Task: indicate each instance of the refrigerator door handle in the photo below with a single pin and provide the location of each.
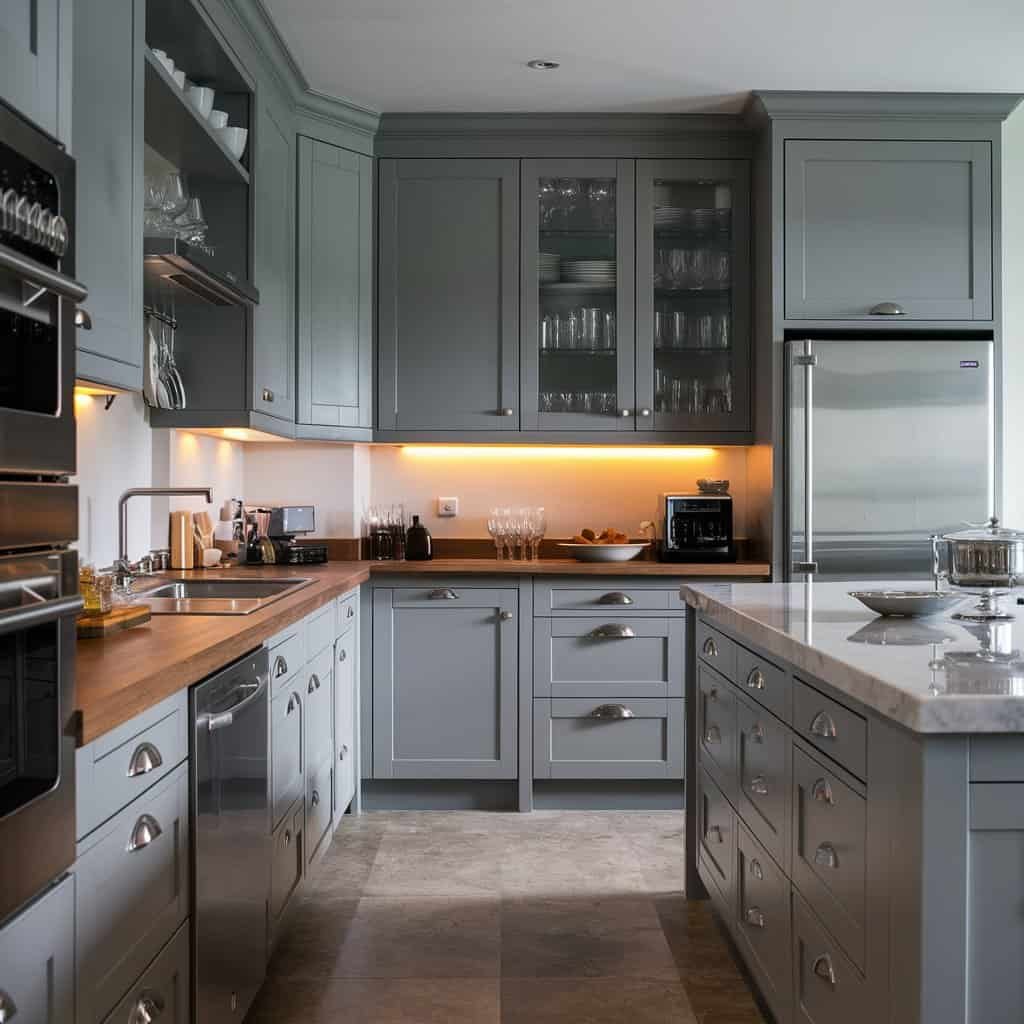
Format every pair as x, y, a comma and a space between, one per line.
808, 361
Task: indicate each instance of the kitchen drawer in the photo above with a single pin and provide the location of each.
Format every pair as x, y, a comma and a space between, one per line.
318, 710
829, 850
113, 770
318, 808
319, 630
132, 893
829, 989
287, 654
716, 649
716, 838
997, 758
286, 755
764, 682
346, 609
287, 861
832, 728
164, 987
716, 728
618, 657
37, 959
593, 739
764, 758
763, 926
602, 597
450, 593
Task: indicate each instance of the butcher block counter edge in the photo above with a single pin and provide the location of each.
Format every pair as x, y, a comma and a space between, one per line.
570, 567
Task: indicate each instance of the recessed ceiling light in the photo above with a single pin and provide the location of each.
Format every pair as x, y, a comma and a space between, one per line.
543, 65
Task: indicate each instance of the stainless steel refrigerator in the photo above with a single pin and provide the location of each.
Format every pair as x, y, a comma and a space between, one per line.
889, 441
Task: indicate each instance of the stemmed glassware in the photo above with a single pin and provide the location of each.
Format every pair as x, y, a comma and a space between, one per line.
517, 532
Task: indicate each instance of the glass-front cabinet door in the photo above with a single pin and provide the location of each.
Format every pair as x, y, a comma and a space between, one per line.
577, 295
693, 296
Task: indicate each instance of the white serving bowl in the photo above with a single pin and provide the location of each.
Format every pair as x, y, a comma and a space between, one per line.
201, 98
167, 62
234, 138
604, 552
218, 119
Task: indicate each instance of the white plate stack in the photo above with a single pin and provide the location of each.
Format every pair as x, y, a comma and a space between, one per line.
594, 272
549, 267
669, 218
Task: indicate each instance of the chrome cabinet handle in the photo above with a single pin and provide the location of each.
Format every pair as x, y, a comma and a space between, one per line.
616, 712
612, 631
644, 412
759, 785
823, 968
625, 413
315, 799
615, 597
825, 856
755, 917
443, 594
344, 751
888, 309
83, 321
506, 616
822, 792
756, 870
715, 832
713, 734
506, 412
287, 837
713, 693
314, 683
280, 666
756, 680
8, 1009
342, 654
710, 648
146, 829
757, 733
823, 726
147, 1008
268, 395
221, 721
145, 759
350, 612
293, 702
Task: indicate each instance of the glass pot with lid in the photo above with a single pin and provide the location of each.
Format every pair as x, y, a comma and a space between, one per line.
988, 559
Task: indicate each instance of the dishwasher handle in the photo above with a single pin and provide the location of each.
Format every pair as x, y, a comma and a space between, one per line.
250, 692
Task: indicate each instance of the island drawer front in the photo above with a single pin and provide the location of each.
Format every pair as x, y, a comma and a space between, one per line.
764, 760
286, 860
318, 709
603, 597
166, 981
318, 808
716, 728
832, 728
346, 610
716, 649
287, 654
132, 893
763, 919
572, 741
829, 851
113, 770
716, 836
319, 630
829, 988
764, 682
286, 753
997, 758
614, 657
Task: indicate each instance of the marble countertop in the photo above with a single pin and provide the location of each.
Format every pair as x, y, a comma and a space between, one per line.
932, 675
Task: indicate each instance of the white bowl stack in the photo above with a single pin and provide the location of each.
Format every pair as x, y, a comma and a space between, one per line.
549, 267
594, 272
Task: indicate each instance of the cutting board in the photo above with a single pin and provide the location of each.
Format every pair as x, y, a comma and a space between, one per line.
124, 616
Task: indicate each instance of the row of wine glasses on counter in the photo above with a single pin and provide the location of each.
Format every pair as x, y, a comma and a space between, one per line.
692, 269
694, 396
685, 329
588, 329
170, 212
517, 530
568, 204
598, 403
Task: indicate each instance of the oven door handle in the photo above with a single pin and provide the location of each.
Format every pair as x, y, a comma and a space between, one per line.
26, 616
43, 277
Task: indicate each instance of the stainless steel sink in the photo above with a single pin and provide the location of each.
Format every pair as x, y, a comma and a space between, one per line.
220, 596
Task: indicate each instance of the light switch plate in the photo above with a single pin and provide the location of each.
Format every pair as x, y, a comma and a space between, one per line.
447, 507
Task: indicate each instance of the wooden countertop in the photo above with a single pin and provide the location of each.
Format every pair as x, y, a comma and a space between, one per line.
120, 676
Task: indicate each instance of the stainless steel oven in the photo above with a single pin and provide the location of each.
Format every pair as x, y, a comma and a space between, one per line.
38, 301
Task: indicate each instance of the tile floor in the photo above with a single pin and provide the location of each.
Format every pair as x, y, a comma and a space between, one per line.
484, 918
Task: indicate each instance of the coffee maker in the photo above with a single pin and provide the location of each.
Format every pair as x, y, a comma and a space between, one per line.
698, 528
286, 523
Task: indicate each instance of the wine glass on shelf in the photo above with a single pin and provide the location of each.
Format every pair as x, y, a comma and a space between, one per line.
175, 196
496, 527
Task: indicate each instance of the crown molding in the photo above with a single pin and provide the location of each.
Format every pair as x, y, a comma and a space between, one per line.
960, 106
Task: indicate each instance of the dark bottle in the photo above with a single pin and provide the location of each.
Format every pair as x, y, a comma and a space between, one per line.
418, 545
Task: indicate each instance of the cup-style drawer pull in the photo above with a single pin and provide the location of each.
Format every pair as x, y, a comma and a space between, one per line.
615, 597
713, 734
715, 832
443, 594
822, 792
148, 1008
344, 751
506, 411
342, 654
713, 693
616, 712
825, 856
888, 309
280, 667
506, 616
710, 648
350, 612
287, 837
268, 395
315, 799
823, 968
759, 785
823, 726
293, 702
8, 1009
756, 870
756, 680
754, 917
612, 631
757, 733
314, 683
146, 829
145, 759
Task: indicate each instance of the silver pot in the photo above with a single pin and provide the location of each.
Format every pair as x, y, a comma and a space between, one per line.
989, 557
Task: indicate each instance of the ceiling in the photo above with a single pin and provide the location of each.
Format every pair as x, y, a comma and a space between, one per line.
643, 55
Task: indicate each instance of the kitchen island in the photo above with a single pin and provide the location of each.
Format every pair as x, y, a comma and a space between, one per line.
857, 795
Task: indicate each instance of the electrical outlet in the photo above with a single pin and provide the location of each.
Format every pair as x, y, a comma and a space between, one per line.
447, 507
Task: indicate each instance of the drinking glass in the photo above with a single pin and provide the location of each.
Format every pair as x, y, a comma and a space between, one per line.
704, 330
190, 224
547, 196
568, 202
538, 527
720, 334
608, 338
496, 528
591, 321
602, 203
569, 332
175, 197
702, 268
720, 270
547, 333
680, 327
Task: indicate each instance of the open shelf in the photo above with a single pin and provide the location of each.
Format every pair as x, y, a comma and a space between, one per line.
575, 288
691, 293
578, 353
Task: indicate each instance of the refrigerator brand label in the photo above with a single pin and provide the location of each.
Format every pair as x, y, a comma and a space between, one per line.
969, 364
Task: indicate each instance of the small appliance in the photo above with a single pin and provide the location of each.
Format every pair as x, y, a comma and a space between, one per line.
698, 528
287, 522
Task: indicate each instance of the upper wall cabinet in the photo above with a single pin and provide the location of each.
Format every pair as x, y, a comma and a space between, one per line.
335, 291
108, 147
448, 327
34, 38
901, 230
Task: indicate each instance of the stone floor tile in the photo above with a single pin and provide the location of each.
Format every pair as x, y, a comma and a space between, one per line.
436, 864
594, 1001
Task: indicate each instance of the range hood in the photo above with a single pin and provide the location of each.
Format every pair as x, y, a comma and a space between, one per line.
190, 268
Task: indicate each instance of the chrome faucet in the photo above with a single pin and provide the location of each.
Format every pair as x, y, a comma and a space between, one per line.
123, 569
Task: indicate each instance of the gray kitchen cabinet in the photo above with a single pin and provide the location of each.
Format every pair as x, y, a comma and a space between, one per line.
35, 39
163, 992
345, 659
273, 347
287, 866
335, 289
319, 780
716, 844
870, 225
109, 100
287, 768
318, 709
448, 311
37, 960
445, 682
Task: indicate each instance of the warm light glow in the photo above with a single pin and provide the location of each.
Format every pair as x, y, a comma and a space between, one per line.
85, 389
82, 399
568, 452
237, 434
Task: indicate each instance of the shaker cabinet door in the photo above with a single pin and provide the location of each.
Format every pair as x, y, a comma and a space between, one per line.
888, 230
448, 319
31, 34
345, 648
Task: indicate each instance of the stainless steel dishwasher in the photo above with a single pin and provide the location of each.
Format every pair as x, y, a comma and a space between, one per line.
230, 815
